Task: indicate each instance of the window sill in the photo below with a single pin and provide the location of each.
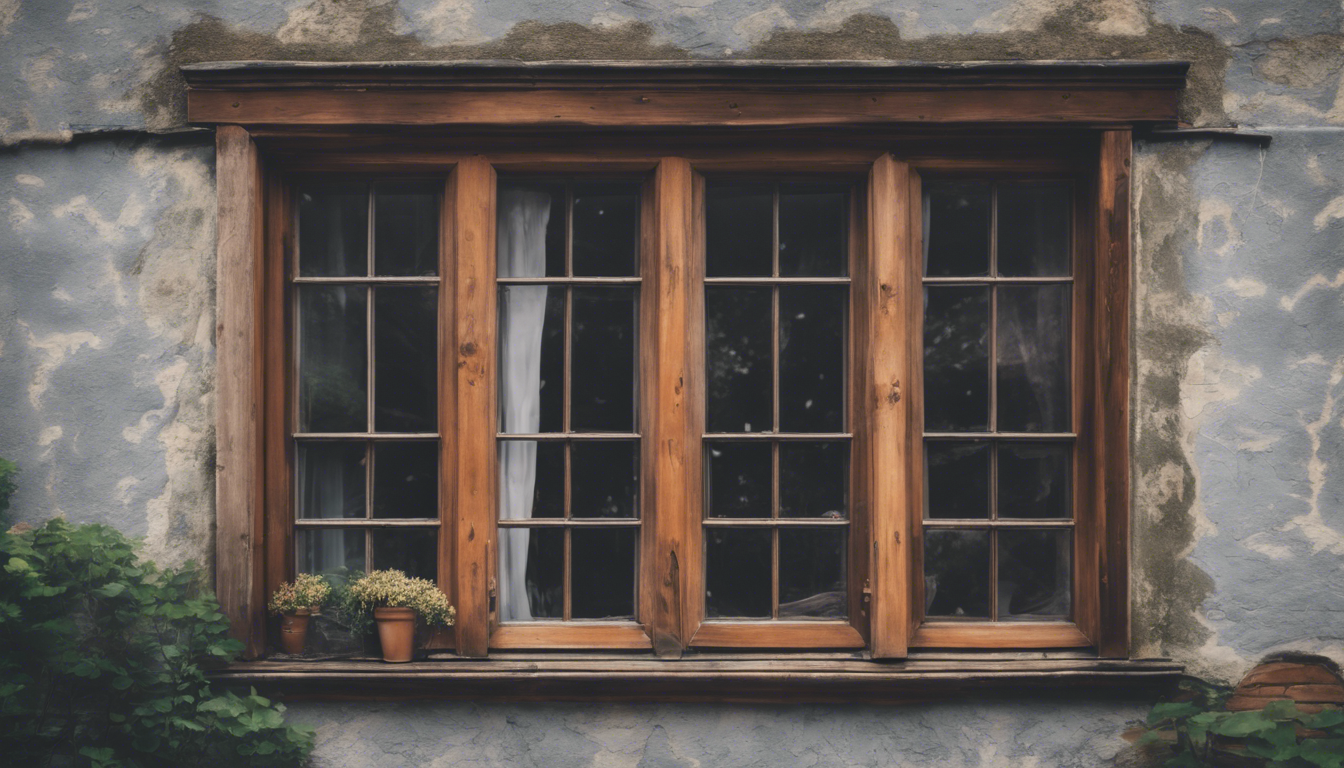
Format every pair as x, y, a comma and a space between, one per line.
829, 678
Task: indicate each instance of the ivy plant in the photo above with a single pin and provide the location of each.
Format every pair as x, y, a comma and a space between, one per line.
1201, 732
104, 660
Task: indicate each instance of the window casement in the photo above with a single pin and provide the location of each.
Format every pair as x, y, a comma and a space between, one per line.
684, 361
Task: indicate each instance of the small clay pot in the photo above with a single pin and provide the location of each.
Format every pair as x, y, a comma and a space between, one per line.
396, 631
294, 630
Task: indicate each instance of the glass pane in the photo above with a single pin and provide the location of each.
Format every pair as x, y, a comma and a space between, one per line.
1035, 480
531, 573
812, 358
406, 354
413, 551
530, 241
602, 387
333, 380
406, 228
336, 553
737, 573
531, 479
331, 477
1034, 229
812, 573
813, 479
531, 359
1033, 358
737, 476
956, 359
956, 573
813, 222
334, 230
737, 355
956, 479
606, 228
739, 230
602, 585
1034, 568
604, 480
406, 479
956, 228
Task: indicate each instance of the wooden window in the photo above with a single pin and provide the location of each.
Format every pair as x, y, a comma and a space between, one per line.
683, 392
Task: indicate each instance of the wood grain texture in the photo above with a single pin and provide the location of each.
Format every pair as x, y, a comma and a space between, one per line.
447, 355
890, 294
1001, 635
239, 399
570, 636
914, 438
860, 465
676, 107
1088, 538
473, 356
275, 334
1112, 395
777, 634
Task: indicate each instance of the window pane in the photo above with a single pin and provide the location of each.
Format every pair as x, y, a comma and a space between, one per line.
737, 352
603, 365
337, 552
334, 230
1034, 568
1035, 480
1033, 358
738, 478
956, 573
737, 573
813, 222
406, 228
531, 358
413, 551
606, 228
605, 478
603, 581
531, 573
812, 573
812, 358
813, 479
406, 351
333, 383
1034, 229
956, 359
331, 477
530, 241
406, 479
739, 230
956, 228
531, 479
957, 479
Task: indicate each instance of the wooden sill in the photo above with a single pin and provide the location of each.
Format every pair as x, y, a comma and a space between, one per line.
741, 678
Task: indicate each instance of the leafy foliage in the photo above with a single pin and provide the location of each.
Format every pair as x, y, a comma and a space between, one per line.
393, 589
1282, 736
305, 591
8, 471
103, 662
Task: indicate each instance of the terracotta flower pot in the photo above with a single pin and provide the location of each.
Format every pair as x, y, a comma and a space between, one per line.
396, 631
294, 630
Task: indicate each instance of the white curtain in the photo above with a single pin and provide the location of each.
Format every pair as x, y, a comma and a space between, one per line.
521, 243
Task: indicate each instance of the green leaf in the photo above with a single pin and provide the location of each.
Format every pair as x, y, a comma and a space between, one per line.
18, 565
1326, 718
1280, 710
111, 589
122, 682
1326, 753
1171, 711
265, 748
1242, 724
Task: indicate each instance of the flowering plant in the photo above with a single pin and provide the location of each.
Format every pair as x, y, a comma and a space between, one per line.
305, 591
394, 589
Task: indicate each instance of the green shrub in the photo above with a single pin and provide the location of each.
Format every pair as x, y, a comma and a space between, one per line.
8, 471
103, 662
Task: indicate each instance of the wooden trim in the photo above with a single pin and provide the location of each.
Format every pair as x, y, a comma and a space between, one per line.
777, 634
275, 341
1111, 398
239, 395
472, 193
570, 635
447, 407
955, 634
914, 319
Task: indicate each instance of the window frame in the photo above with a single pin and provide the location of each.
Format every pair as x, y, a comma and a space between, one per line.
261, 144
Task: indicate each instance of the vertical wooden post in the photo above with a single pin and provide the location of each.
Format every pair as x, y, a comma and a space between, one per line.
1111, 401
446, 638
473, 199
275, 338
675, 362
891, 295
239, 449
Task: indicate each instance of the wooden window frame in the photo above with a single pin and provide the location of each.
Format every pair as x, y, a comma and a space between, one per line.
463, 121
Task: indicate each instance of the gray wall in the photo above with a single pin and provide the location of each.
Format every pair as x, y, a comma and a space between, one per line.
106, 326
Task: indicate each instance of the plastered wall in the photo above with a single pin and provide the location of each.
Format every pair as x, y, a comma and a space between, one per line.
106, 326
